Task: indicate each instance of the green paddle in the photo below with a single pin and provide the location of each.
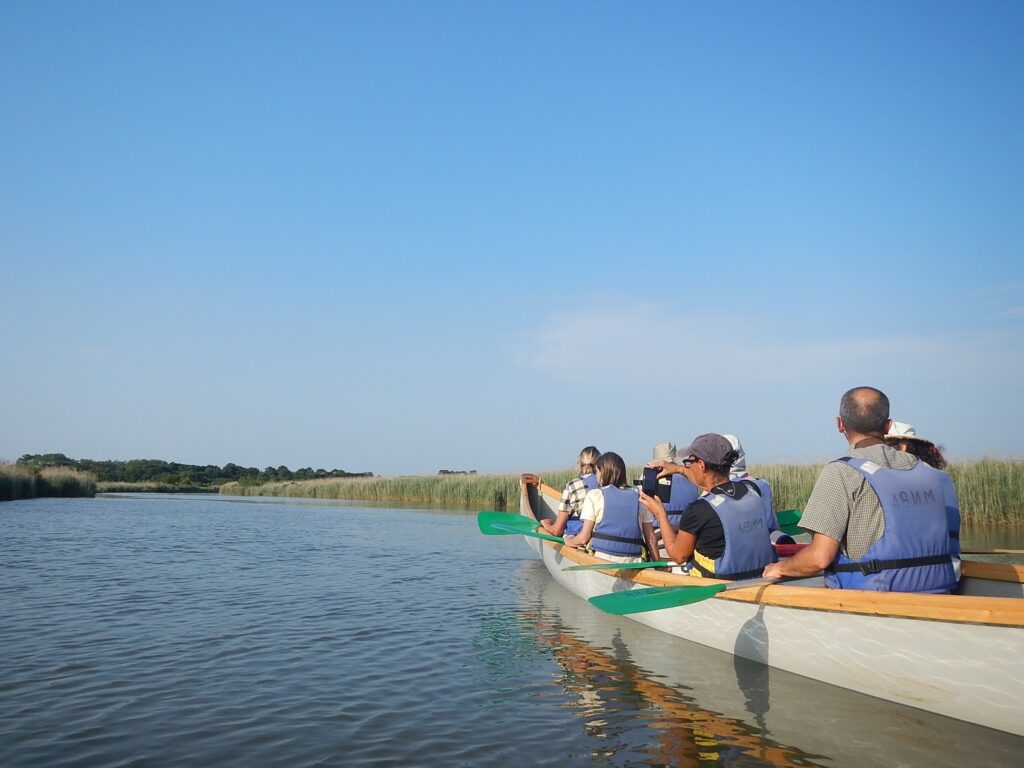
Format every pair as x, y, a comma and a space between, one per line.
656, 598
788, 521
508, 524
619, 566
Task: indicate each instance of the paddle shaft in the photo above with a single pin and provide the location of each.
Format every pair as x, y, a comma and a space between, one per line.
620, 566
992, 551
659, 598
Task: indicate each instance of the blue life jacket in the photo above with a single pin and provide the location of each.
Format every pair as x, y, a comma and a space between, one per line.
765, 492
748, 548
618, 532
574, 525
952, 513
913, 554
684, 493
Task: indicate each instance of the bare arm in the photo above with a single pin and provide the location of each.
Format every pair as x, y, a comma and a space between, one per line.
666, 468
556, 528
581, 539
809, 561
678, 544
650, 539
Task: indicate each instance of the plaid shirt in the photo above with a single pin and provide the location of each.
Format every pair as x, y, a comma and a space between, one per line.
843, 505
572, 497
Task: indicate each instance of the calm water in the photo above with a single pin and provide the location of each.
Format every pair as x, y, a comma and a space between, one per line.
206, 631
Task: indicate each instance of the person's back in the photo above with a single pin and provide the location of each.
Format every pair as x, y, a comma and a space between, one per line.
732, 538
738, 471
723, 534
880, 518
614, 526
618, 532
912, 552
567, 519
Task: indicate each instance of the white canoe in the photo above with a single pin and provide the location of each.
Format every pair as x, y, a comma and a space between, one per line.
956, 655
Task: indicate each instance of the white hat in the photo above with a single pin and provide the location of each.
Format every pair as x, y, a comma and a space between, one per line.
902, 429
666, 451
739, 467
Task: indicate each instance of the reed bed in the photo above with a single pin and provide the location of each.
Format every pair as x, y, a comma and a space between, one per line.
991, 491
115, 486
455, 491
20, 483
16, 483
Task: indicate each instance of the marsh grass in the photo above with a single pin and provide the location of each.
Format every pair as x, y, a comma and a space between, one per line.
113, 486
20, 483
991, 491
16, 483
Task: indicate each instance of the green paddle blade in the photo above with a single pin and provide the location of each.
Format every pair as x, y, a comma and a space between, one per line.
506, 524
619, 566
789, 520
508, 519
654, 598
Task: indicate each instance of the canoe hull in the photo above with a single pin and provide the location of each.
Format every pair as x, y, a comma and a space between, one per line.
966, 670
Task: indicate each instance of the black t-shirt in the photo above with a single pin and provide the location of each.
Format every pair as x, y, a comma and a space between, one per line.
701, 520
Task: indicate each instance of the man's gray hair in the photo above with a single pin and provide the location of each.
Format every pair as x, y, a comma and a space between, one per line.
864, 410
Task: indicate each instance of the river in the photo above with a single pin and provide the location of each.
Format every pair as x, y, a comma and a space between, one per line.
167, 631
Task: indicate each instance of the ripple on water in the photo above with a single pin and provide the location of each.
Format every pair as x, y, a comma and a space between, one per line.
198, 632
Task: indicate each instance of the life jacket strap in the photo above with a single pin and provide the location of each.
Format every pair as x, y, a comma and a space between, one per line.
738, 575
621, 539
869, 567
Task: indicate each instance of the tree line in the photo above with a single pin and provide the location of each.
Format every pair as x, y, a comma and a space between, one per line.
173, 473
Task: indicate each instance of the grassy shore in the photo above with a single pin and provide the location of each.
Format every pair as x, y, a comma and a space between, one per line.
118, 487
20, 483
991, 491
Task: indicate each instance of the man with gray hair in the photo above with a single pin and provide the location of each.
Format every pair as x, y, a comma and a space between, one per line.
881, 519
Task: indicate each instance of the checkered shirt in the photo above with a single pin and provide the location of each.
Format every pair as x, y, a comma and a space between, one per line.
843, 505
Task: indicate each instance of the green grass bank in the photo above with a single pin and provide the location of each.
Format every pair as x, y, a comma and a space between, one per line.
991, 491
21, 483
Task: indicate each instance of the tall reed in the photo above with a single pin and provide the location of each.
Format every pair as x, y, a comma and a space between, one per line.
990, 491
20, 483
16, 483
62, 481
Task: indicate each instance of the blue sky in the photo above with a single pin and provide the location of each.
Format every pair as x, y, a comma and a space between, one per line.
405, 236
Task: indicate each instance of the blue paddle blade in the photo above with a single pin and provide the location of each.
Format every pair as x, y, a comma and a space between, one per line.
654, 598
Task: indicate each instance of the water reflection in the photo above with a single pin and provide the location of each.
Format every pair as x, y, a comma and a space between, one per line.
645, 698
612, 695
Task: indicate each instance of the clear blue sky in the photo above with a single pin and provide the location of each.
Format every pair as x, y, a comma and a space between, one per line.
407, 236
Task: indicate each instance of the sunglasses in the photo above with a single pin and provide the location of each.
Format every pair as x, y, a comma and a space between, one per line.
689, 461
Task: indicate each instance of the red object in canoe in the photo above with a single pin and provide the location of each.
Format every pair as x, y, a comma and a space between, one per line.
788, 550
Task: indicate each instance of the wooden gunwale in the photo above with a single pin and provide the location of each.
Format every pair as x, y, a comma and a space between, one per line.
961, 609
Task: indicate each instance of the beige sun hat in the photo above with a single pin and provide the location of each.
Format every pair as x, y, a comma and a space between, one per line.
739, 467
900, 430
666, 451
